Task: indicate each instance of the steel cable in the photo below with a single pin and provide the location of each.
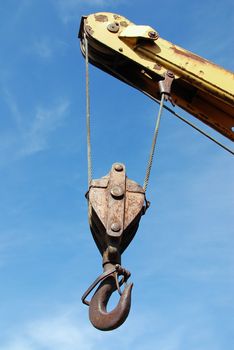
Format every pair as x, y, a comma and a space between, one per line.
89, 153
152, 151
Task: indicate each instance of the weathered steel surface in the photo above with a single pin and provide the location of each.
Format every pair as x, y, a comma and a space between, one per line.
98, 315
136, 55
116, 205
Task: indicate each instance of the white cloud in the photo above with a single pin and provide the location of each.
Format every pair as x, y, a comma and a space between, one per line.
43, 48
30, 135
63, 331
202, 223
69, 329
46, 120
12, 105
47, 48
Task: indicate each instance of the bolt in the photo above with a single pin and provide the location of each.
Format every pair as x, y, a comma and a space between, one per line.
118, 167
170, 74
117, 191
115, 227
113, 27
153, 35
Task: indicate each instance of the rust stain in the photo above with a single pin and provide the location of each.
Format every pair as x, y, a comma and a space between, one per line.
89, 30
157, 66
188, 54
101, 18
124, 24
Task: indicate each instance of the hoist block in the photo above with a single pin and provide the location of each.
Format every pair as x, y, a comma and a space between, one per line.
116, 205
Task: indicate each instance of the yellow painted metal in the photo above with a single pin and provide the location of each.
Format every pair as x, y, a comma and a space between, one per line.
135, 55
136, 32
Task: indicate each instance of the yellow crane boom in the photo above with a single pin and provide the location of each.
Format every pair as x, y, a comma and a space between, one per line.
136, 55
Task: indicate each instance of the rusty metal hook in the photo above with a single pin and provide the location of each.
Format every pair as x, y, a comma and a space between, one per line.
98, 315
116, 205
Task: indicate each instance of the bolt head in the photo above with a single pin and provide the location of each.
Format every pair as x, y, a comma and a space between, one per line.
118, 167
115, 227
153, 35
170, 74
117, 191
113, 27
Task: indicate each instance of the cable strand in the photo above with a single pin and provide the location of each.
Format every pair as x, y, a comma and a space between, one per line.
199, 130
174, 113
152, 151
89, 153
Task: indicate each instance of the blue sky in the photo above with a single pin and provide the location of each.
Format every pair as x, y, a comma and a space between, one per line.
181, 259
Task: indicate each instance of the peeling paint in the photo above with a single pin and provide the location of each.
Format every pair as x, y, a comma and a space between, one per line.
124, 24
101, 18
188, 54
89, 30
157, 67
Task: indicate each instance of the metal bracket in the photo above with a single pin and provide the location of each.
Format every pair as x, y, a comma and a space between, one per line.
165, 86
116, 201
139, 32
116, 205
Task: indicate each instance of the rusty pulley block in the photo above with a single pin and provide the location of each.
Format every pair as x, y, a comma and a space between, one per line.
116, 205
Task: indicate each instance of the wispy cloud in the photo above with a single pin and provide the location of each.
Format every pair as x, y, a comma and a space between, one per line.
30, 135
63, 331
205, 252
12, 105
70, 330
43, 48
212, 43
46, 121
47, 48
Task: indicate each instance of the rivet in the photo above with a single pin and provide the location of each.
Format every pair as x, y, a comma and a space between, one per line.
117, 191
118, 167
115, 227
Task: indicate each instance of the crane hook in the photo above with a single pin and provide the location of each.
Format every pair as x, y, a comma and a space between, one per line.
98, 314
116, 205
